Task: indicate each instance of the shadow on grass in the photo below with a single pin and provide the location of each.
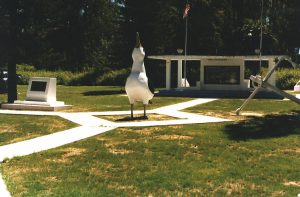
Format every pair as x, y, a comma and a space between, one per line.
269, 126
103, 92
133, 119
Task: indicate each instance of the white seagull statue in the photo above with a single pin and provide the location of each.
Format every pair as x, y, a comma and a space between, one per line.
136, 87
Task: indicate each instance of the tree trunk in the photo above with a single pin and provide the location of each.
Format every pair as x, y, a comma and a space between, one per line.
12, 48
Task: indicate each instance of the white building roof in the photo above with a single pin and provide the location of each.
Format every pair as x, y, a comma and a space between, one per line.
200, 57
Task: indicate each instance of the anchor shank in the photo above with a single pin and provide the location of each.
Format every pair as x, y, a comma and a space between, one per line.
247, 101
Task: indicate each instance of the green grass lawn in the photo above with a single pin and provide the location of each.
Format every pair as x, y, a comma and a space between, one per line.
16, 128
256, 107
97, 98
252, 156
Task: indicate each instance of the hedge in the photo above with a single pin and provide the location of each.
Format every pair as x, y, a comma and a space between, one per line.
285, 78
88, 77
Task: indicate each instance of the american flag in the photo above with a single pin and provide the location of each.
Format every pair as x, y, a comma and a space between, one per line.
186, 10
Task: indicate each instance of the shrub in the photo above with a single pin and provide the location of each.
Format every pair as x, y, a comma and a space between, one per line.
26, 72
87, 77
286, 79
114, 77
25, 67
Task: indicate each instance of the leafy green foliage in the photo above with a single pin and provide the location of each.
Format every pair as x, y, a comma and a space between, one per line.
66, 35
97, 36
63, 77
287, 78
86, 77
116, 77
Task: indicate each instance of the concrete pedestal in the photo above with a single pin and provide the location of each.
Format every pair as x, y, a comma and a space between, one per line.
36, 106
41, 96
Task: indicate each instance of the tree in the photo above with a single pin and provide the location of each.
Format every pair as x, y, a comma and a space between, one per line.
79, 34
12, 8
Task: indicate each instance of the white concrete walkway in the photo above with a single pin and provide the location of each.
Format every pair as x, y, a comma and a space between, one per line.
49, 141
91, 126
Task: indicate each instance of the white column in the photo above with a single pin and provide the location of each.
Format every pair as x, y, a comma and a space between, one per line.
202, 74
168, 74
242, 73
179, 74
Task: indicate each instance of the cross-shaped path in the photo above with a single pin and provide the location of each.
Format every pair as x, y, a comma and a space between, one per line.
91, 126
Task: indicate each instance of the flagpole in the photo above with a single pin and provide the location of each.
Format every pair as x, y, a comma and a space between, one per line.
185, 49
261, 33
185, 45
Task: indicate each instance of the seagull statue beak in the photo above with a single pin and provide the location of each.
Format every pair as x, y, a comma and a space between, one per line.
137, 41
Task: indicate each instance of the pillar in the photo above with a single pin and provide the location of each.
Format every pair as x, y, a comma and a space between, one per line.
179, 73
168, 74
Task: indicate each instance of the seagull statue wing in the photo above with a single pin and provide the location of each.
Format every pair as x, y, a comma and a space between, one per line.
136, 87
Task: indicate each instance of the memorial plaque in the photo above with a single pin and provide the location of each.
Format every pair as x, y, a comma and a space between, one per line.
222, 75
38, 86
41, 89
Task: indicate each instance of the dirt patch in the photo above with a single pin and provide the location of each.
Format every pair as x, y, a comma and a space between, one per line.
18, 174
70, 152
8, 129
124, 130
294, 150
137, 118
237, 146
122, 187
116, 151
254, 187
175, 127
111, 147
277, 193
51, 179
111, 143
67, 153
228, 115
149, 130
100, 169
232, 115
173, 137
20, 139
56, 125
25, 170
292, 183
194, 190
232, 187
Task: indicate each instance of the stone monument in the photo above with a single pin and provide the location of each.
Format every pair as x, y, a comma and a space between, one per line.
41, 95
